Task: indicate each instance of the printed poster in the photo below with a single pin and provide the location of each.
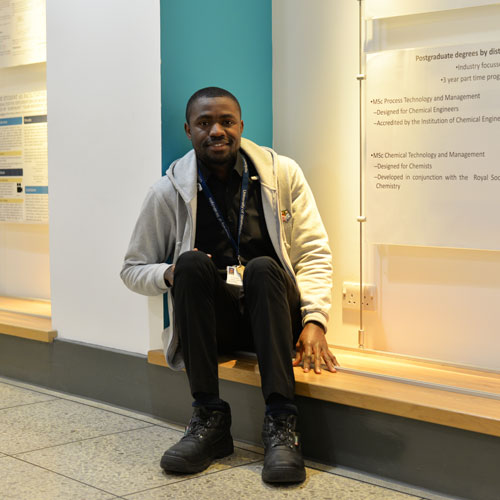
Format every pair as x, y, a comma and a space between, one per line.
23, 158
432, 172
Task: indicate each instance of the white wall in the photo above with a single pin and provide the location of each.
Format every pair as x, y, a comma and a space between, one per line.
316, 122
103, 84
24, 248
434, 303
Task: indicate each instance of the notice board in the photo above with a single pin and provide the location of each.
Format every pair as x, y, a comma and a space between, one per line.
432, 164
23, 157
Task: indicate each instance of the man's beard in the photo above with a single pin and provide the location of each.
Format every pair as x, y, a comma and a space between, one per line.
208, 158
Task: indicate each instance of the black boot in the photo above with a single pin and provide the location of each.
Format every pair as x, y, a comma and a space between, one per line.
283, 462
207, 437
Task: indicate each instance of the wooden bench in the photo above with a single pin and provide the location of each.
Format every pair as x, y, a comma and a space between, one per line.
26, 318
433, 392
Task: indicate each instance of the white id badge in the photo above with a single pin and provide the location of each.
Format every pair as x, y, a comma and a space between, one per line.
235, 275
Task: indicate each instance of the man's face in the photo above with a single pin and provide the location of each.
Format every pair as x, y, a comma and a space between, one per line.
215, 128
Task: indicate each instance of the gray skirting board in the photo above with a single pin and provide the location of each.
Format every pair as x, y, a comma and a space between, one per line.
435, 457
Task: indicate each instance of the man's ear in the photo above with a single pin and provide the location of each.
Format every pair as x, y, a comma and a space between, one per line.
241, 126
187, 129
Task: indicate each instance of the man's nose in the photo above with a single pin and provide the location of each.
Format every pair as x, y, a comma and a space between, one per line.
216, 130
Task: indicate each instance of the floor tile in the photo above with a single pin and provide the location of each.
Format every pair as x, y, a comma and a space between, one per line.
123, 463
11, 395
19, 480
116, 451
245, 482
35, 426
365, 477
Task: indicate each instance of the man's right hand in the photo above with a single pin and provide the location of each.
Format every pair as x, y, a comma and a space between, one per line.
168, 276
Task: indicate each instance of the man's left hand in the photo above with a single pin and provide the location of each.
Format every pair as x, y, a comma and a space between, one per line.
311, 348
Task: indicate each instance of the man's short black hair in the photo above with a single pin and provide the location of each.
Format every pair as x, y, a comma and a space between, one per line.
209, 92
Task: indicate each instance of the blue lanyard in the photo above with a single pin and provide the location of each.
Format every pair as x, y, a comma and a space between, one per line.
217, 213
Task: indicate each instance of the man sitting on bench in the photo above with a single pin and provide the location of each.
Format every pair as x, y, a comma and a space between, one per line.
251, 270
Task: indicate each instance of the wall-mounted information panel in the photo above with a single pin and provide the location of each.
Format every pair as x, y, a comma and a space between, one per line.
392, 8
433, 146
23, 157
22, 32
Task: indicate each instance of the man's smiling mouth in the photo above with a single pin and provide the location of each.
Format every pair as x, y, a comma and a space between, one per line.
217, 145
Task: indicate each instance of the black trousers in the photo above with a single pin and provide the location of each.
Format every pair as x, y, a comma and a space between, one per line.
214, 318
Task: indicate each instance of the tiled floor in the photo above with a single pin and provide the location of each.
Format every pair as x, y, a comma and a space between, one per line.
55, 446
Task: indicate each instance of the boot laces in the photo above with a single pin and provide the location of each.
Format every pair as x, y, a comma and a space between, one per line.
281, 432
199, 425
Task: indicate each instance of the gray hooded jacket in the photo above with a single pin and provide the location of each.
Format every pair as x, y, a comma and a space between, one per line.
167, 223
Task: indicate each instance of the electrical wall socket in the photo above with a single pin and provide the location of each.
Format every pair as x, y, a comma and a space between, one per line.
351, 296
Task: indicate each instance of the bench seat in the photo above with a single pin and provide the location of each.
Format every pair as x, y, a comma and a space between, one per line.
423, 390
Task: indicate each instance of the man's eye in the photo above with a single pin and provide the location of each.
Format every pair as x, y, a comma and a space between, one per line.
203, 124
228, 123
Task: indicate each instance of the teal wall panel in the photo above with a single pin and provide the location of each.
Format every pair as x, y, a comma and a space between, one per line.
227, 44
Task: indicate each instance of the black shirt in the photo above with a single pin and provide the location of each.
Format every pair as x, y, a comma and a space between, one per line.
211, 237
